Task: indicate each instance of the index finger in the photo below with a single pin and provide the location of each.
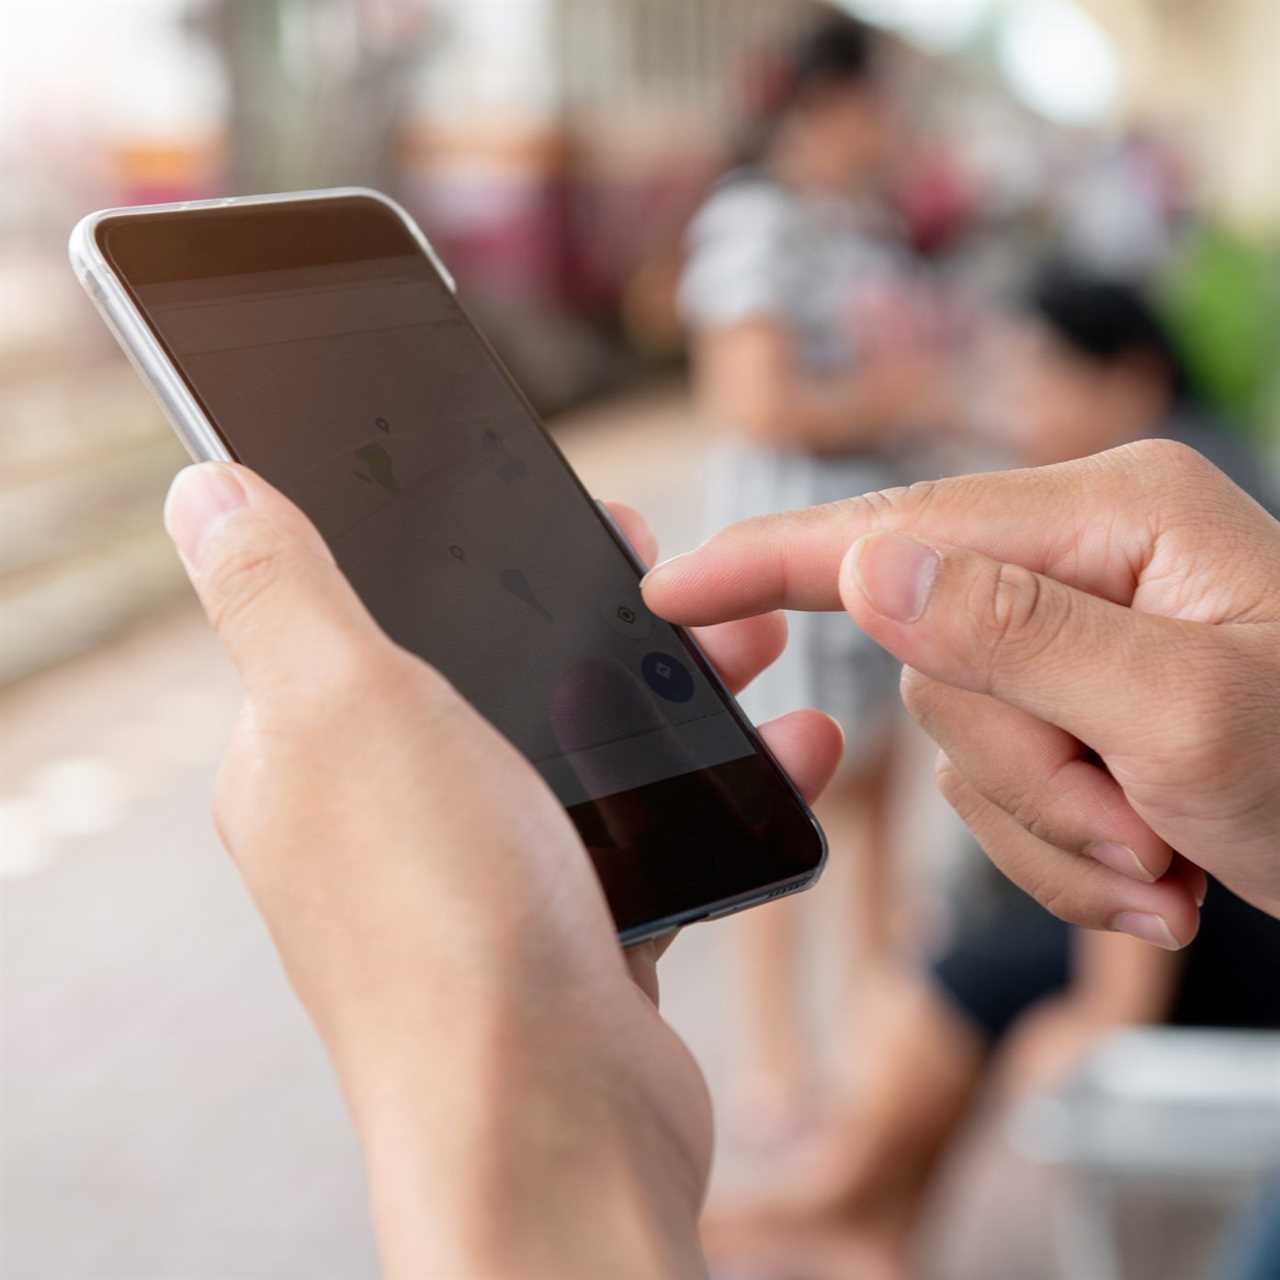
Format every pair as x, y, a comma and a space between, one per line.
739, 651
1045, 518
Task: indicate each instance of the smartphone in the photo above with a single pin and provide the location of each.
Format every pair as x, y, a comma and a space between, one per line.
317, 338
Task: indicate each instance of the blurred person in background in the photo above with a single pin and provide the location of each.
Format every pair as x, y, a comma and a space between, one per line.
811, 358
1088, 363
1016, 996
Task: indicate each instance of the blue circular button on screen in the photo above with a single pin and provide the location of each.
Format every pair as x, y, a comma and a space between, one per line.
668, 677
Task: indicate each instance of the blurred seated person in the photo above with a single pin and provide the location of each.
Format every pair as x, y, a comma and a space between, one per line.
809, 359
1087, 364
1016, 994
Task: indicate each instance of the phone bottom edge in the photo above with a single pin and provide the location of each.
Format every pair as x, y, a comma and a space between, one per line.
718, 910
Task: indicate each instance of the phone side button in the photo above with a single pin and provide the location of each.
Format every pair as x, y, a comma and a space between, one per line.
726, 911
758, 902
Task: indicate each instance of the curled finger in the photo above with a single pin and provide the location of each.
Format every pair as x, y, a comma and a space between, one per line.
1041, 776
1079, 890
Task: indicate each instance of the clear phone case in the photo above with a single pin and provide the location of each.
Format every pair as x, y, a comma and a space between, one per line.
134, 335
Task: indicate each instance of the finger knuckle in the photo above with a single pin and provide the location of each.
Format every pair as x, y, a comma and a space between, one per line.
954, 789
240, 579
222, 810
1034, 801
1185, 484
231, 791
1015, 601
945, 779
898, 504
1027, 811
1012, 796
1058, 898
918, 694
1159, 460
872, 507
1022, 620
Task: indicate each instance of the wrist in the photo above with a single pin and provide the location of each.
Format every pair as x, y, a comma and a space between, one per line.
565, 1217
543, 1165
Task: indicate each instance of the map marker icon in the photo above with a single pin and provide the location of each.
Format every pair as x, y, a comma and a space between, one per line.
515, 582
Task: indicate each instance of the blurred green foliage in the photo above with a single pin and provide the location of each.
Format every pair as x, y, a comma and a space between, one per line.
1224, 304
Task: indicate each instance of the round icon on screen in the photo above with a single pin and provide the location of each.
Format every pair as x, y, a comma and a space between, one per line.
668, 677
626, 615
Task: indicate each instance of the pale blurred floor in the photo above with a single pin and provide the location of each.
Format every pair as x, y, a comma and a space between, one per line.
167, 1112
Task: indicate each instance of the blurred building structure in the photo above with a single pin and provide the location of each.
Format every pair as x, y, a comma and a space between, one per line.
316, 90
1208, 72
557, 146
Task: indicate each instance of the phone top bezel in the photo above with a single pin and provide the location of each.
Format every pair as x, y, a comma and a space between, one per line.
119, 309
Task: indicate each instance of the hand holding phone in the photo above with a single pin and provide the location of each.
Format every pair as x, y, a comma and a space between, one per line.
317, 339
438, 916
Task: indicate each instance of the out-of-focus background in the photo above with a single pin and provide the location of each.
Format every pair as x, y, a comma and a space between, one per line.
166, 1110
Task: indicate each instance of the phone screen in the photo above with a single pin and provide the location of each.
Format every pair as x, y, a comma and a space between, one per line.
331, 357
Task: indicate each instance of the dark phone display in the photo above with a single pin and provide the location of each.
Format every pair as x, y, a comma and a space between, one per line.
333, 359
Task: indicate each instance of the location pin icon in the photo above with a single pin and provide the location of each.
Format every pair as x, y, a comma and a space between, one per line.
515, 582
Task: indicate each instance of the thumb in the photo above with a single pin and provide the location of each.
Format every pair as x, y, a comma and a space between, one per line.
267, 582
1064, 656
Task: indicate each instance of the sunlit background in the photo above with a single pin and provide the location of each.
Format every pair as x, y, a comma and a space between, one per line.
166, 1111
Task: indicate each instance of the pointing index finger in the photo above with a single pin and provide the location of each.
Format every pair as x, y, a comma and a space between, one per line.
1043, 518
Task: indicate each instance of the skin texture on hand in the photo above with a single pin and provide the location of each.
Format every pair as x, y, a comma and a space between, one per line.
523, 1108
1095, 646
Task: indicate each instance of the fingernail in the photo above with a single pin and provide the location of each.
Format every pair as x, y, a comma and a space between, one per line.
1119, 857
661, 567
1203, 892
200, 498
896, 574
1147, 928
